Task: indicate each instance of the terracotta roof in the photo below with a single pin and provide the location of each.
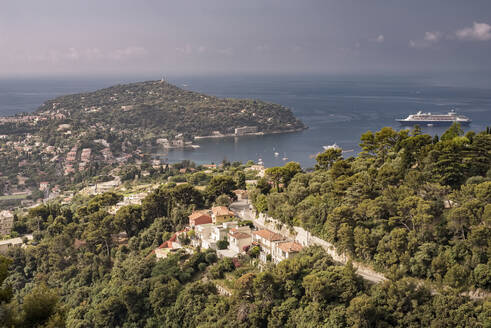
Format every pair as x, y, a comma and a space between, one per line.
240, 235
221, 211
269, 235
197, 214
290, 247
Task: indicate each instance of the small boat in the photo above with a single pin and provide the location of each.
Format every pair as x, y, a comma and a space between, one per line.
285, 158
429, 125
276, 154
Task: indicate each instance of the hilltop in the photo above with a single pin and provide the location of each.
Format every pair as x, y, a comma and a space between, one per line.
165, 110
72, 138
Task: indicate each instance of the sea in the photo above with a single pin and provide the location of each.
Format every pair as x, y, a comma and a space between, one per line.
336, 108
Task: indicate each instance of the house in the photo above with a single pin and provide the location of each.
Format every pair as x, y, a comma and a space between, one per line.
6, 222
203, 236
221, 214
43, 185
168, 246
238, 240
207, 235
220, 232
199, 217
285, 250
6, 244
266, 239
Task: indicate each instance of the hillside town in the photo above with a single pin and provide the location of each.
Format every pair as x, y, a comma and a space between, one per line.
224, 231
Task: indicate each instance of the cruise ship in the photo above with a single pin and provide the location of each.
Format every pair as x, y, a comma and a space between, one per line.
434, 119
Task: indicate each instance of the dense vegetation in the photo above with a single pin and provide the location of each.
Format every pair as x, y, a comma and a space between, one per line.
157, 107
385, 207
409, 204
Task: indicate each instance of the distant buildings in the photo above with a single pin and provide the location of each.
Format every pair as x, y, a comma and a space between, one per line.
6, 244
43, 185
239, 239
199, 217
208, 231
285, 250
266, 240
6, 222
245, 130
220, 214
274, 247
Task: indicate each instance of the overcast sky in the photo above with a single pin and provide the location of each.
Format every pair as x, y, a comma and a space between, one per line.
97, 37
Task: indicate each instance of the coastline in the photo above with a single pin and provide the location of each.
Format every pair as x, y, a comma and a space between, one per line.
262, 133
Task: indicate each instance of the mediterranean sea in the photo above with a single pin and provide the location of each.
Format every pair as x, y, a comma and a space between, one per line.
337, 109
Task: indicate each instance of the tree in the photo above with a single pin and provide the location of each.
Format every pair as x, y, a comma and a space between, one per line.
129, 219
263, 186
240, 180
5, 292
223, 200
275, 174
290, 169
156, 204
327, 158
39, 305
362, 312
453, 131
185, 195
219, 185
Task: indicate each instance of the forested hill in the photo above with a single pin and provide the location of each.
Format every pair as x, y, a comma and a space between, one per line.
159, 106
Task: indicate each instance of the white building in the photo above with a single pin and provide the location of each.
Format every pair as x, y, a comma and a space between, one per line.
285, 250
6, 244
239, 238
6, 222
266, 239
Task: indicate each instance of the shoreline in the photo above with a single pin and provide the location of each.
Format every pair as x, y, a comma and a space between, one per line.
233, 135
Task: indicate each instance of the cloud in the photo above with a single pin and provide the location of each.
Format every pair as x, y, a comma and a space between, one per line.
378, 39
432, 36
429, 39
478, 32
187, 49
59, 56
129, 52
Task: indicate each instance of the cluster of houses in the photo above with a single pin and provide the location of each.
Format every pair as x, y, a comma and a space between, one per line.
213, 226
84, 158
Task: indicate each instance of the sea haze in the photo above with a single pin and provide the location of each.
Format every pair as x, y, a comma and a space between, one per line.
337, 109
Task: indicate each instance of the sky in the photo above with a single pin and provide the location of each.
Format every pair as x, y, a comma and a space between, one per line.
101, 37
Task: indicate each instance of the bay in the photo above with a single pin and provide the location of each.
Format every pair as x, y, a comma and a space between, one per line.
337, 109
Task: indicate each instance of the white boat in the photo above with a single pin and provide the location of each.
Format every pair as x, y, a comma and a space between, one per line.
435, 119
285, 158
333, 146
276, 154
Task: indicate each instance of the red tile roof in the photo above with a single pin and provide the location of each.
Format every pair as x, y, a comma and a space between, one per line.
290, 247
221, 211
240, 235
269, 235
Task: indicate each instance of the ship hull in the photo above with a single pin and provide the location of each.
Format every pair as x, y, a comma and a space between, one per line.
434, 123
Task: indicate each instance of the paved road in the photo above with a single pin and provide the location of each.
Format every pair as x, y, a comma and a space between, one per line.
243, 210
